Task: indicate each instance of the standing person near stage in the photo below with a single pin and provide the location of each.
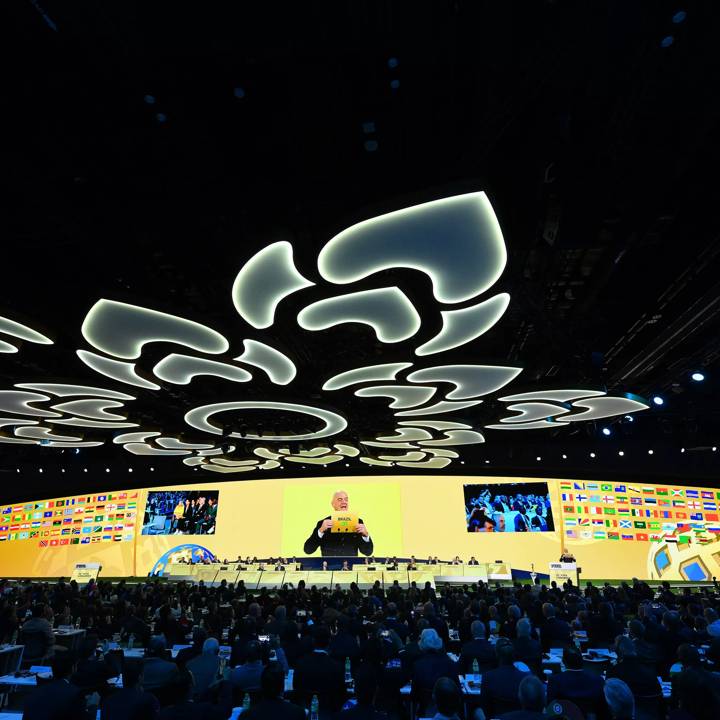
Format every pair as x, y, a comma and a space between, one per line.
339, 544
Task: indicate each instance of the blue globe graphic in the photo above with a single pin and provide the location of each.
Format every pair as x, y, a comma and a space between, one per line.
190, 551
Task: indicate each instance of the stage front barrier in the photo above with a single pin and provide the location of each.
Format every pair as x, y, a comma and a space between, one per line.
250, 578
476, 573
446, 569
206, 573
344, 578
293, 577
83, 573
367, 578
272, 578
323, 578
390, 576
561, 572
229, 573
179, 571
420, 577
499, 571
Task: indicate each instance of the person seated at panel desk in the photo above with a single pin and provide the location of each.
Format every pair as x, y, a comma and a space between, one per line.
391, 564
345, 565
412, 565
280, 565
432, 560
457, 560
473, 561
338, 544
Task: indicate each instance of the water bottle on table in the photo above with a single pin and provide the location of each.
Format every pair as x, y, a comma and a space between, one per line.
314, 708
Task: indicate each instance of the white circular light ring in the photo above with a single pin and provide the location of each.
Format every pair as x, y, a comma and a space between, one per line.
198, 418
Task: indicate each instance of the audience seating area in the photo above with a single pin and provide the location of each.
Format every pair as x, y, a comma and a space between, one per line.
176, 650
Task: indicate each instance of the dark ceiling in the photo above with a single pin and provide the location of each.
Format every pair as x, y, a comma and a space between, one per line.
595, 139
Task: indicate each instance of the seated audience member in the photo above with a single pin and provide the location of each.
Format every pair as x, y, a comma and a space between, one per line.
345, 566
575, 683
527, 649
199, 636
554, 633
477, 649
619, 699
319, 674
640, 677
392, 622
132, 702
473, 561
531, 696
447, 698
37, 634
457, 560
603, 627
499, 687
158, 673
412, 565
272, 705
58, 699
366, 688
205, 667
432, 664
713, 622
247, 676
647, 652
344, 644
185, 709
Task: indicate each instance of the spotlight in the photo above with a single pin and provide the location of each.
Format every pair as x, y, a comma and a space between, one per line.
621, 453
84, 469
152, 469
77, 451
564, 457
107, 469
239, 93
651, 452
667, 41
682, 450
129, 469
606, 431
629, 418
61, 470
538, 458
697, 376
658, 400
17, 469
393, 62
714, 449
679, 17
592, 455
487, 462
39, 469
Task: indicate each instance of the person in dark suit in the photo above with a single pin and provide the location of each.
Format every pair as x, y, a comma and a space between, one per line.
527, 649
392, 622
158, 672
199, 636
344, 644
59, 699
501, 685
132, 702
432, 664
318, 674
91, 674
575, 683
473, 561
477, 649
338, 544
366, 688
447, 698
205, 667
531, 695
185, 709
566, 556
272, 706
640, 677
554, 633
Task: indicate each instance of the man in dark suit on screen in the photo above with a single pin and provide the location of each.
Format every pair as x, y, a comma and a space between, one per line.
338, 544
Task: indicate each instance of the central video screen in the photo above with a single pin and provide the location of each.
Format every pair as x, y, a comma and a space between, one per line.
508, 507
180, 512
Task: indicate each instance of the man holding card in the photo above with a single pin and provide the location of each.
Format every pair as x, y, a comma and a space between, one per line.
341, 534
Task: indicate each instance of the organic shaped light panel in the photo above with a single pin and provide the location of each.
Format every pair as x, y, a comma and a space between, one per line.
441, 407
404, 396
121, 330
170, 443
465, 325
91, 408
17, 421
387, 310
43, 433
145, 449
181, 369
123, 372
456, 437
279, 367
134, 437
532, 411
21, 402
23, 332
559, 396
264, 281
63, 390
603, 407
370, 373
407, 434
456, 241
6, 347
436, 424
536, 425
469, 380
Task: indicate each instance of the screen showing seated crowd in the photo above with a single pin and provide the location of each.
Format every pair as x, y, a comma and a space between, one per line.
180, 512
508, 507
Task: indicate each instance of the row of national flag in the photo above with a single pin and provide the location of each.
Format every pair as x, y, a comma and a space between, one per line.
612, 511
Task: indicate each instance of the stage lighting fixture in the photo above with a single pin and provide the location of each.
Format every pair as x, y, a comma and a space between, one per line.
621, 453
658, 400
84, 469
538, 458
393, 62
40, 469
62, 470
107, 469
682, 450
651, 452
629, 418
394, 84
606, 431
714, 449
239, 93
487, 462
679, 17
564, 457
667, 41
129, 469
592, 454
697, 376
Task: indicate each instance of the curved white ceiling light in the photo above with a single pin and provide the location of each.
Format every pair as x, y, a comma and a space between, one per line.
536, 425
91, 408
264, 281
437, 424
456, 241
387, 310
6, 347
18, 330
18, 402
603, 407
311, 453
441, 407
63, 390
171, 443
192, 461
134, 437
17, 441
370, 373
324, 460
552, 395
215, 451
225, 462
222, 469
390, 445
532, 411
44, 433
334, 423
123, 372
266, 453
404, 396
82, 422
347, 450
412, 456
464, 325
406, 434
17, 421
278, 366
121, 330
145, 449
86, 444
373, 461
181, 369
434, 463
442, 452
456, 437
469, 380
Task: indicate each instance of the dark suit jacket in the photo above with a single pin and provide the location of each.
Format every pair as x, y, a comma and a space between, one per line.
319, 673
205, 671
337, 544
640, 677
573, 684
58, 700
527, 650
158, 673
431, 666
344, 645
554, 633
276, 709
502, 683
480, 650
130, 704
